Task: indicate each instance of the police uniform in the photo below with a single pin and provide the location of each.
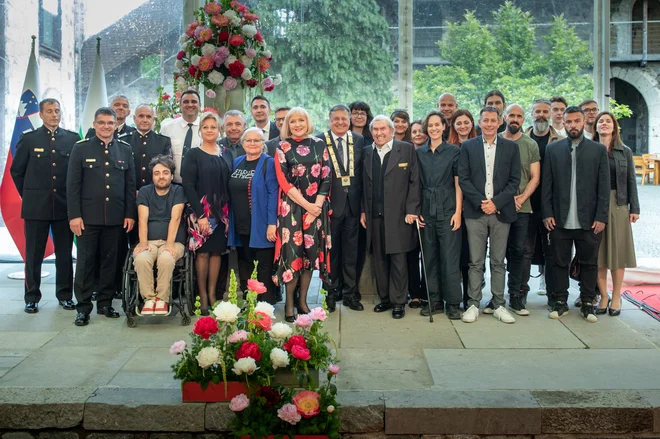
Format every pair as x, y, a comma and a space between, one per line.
101, 191
39, 172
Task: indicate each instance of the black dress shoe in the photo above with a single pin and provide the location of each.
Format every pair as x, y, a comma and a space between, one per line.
613, 312
382, 307
399, 311
353, 304
82, 319
108, 311
67, 304
452, 312
118, 295
436, 308
331, 303
32, 307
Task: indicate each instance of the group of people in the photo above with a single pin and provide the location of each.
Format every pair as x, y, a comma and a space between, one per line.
295, 201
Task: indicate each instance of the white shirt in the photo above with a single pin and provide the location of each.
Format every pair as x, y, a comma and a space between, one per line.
266, 130
176, 131
384, 150
489, 154
344, 150
588, 135
562, 132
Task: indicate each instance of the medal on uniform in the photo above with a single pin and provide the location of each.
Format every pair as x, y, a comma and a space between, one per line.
345, 179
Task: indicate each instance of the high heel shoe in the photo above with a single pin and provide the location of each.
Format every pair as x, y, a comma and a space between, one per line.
290, 319
600, 311
301, 310
614, 312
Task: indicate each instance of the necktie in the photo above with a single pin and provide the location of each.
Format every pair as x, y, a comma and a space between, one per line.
340, 151
187, 142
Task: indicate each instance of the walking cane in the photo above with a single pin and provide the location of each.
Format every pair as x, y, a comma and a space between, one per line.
426, 278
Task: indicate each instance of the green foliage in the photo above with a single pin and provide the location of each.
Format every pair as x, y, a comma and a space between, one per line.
505, 57
328, 52
150, 67
620, 110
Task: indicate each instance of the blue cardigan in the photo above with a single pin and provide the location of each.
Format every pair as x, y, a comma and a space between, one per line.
264, 205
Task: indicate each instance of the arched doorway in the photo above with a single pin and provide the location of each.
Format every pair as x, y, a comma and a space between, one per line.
634, 129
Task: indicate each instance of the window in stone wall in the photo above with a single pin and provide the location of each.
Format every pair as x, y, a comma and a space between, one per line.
50, 28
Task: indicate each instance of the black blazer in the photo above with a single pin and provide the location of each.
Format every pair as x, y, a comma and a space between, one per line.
506, 178
593, 182
273, 132
271, 146
126, 129
144, 148
338, 193
230, 154
402, 196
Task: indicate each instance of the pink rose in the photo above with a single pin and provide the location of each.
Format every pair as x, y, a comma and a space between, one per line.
287, 276
316, 170
286, 234
267, 83
220, 20
210, 94
178, 347
297, 237
300, 353
301, 170
302, 150
230, 83
289, 413
304, 321
220, 55
251, 53
312, 189
284, 208
236, 40
205, 34
250, 16
239, 403
256, 286
309, 240
333, 369
212, 8
326, 171
238, 337
280, 156
318, 313
286, 146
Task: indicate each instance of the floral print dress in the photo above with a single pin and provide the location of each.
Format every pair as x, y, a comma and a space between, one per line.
303, 164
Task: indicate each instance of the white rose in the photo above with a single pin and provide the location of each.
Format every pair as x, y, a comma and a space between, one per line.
195, 60
233, 17
264, 307
246, 60
215, 77
230, 59
181, 83
268, 54
277, 80
246, 75
208, 49
245, 365
279, 358
226, 312
178, 64
249, 30
207, 357
280, 331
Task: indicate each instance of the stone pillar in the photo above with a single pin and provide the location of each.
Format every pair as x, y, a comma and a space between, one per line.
406, 55
189, 7
602, 53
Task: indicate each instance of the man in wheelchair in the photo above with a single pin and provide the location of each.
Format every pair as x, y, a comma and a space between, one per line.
161, 233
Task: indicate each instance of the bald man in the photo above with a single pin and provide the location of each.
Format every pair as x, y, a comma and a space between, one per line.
447, 106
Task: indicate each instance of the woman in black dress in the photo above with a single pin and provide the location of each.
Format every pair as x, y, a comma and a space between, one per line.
303, 241
361, 118
205, 175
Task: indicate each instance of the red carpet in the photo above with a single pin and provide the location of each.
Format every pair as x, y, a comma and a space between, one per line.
647, 297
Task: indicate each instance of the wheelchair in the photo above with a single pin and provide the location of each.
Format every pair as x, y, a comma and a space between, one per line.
182, 296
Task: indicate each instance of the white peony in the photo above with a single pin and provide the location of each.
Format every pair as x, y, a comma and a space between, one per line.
226, 312
208, 49
233, 17
230, 59
277, 80
215, 77
247, 61
249, 30
246, 75
207, 357
245, 365
279, 358
280, 331
268, 54
195, 60
181, 83
178, 64
264, 307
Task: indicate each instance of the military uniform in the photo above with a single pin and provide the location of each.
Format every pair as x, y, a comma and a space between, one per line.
145, 147
39, 172
123, 130
101, 191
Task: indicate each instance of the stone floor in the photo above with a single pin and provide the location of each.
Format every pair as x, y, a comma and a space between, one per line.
46, 350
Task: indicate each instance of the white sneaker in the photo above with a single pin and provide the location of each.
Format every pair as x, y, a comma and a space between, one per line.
542, 288
471, 315
502, 314
148, 308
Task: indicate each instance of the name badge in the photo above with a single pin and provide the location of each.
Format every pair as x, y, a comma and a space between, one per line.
403, 165
90, 160
345, 180
38, 150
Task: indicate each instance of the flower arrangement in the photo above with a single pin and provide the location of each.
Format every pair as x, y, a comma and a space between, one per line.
224, 47
167, 107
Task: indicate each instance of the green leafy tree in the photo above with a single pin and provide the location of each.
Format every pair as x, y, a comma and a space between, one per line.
507, 56
328, 52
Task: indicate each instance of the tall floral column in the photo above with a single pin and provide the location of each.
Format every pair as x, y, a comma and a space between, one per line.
224, 51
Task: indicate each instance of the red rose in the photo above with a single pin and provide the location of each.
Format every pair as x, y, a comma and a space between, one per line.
297, 264
236, 68
194, 72
249, 349
180, 55
252, 83
256, 286
205, 327
236, 40
259, 37
298, 237
312, 189
263, 321
296, 340
198, 43
223, 36
271, 395
300, 353
166, 97
271, 88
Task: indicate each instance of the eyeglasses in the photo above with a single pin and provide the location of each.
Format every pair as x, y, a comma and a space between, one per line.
359, 113
279, 119
591, 110
252, 141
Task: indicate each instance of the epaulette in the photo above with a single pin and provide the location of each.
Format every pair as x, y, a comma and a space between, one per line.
123, 135
83, 140
69, 131
28, 132
122, 141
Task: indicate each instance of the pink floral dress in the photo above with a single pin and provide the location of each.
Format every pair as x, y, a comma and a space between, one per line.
305, 165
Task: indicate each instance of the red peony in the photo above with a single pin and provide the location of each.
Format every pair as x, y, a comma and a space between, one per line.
259, 37
223, 36
180, 55
198, 43
236, 68
256, 286
252, 83
297, 264
249, 349
205, 327
194, 72
271, 395
296, 340
236, 40
300, 353
298, 237
263, 321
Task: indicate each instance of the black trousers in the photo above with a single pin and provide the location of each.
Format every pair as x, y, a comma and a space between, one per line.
264, 257
415, 279
96, 242
36, 238
587, 244
515, 252
344, 254
391, 270
537, 228
443, 266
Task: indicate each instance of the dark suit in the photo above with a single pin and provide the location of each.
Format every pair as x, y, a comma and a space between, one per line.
271, 146
273, 132
234, 151
345, 202
39, 172
592, 204
144, 148
388, 235
482, 228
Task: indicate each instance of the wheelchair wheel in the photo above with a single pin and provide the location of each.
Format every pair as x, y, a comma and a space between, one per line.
131, 321
185, 319
189, 285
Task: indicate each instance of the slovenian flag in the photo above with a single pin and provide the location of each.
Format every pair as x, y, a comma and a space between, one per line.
27, 119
